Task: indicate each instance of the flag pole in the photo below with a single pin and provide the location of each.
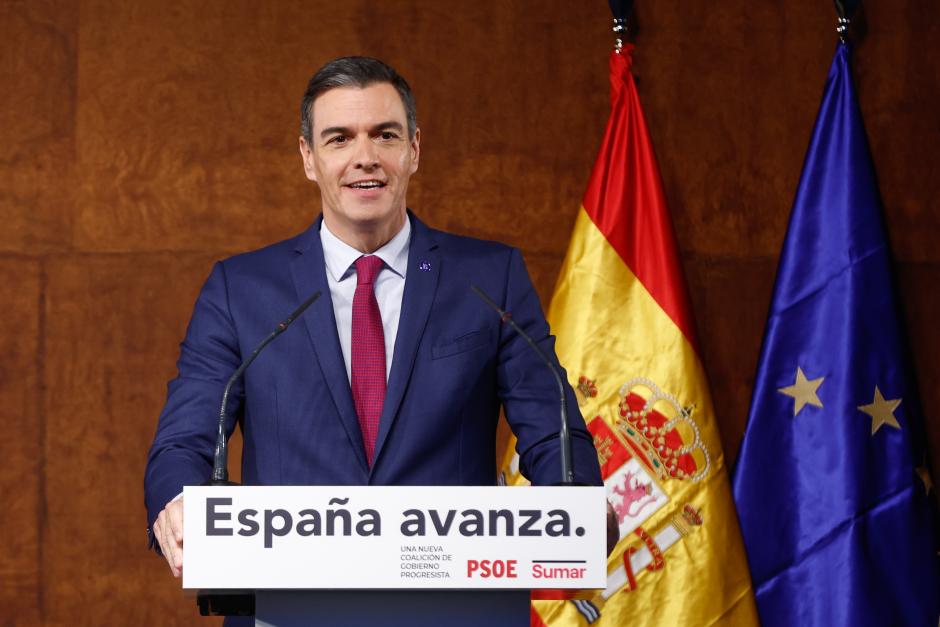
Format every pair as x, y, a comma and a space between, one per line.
845, 10
620, 9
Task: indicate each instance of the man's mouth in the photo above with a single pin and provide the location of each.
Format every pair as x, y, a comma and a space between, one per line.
369, 184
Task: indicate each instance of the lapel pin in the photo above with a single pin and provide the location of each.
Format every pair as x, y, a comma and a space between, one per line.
425, 266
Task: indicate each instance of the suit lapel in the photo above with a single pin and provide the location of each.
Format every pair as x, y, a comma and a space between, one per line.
424, 268
309, 274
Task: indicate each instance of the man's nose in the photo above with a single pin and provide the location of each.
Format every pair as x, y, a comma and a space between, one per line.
367, 156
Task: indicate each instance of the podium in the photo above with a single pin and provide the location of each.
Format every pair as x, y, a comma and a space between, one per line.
393, 555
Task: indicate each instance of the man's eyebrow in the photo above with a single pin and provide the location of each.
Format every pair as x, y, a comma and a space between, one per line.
385, 126
334, 130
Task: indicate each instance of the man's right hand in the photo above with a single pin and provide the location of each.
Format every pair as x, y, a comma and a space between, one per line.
168, 531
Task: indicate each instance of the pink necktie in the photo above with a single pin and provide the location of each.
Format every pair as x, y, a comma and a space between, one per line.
368, 352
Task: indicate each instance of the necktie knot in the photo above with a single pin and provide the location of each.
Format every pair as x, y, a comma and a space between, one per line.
367, 268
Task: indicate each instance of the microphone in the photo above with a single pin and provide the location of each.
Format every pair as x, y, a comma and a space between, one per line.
567, 474
220, 462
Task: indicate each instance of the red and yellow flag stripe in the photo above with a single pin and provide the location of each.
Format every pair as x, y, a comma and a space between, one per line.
626, 337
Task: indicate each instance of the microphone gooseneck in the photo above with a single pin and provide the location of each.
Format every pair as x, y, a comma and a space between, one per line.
220, 461
567, 474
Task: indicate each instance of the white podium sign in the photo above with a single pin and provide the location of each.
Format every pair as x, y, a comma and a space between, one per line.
390, 537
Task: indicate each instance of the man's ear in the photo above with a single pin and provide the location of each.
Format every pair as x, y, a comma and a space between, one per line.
306, 153
415, 150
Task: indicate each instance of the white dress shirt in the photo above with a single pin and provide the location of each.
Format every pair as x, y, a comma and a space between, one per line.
389, 287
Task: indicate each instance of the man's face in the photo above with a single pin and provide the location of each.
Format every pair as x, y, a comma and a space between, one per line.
361, 158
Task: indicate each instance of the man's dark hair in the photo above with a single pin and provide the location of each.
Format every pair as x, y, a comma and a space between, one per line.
358, 72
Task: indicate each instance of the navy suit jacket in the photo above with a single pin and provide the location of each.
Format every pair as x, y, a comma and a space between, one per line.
453, 365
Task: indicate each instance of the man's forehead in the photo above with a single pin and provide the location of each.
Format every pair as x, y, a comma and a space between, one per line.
341, 104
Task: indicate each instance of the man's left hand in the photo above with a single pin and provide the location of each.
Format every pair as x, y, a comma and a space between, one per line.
613, 529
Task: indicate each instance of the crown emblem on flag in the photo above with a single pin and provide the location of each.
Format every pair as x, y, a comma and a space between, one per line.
662, 431
586, 389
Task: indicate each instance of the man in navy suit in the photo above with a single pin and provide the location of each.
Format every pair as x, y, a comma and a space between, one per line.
396, 378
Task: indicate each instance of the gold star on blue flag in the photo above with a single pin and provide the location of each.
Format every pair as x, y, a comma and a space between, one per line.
803, 391
833, 501
881, 411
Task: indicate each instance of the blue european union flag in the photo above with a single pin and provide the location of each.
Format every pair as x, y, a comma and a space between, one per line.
831, 482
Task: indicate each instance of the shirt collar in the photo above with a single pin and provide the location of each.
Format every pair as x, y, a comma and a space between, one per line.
340, 256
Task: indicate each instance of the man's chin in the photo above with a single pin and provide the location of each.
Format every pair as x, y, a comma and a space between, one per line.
369, 217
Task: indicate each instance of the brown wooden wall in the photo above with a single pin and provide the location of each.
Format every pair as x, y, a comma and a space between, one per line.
140, 141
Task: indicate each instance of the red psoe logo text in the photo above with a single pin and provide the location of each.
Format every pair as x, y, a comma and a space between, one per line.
485, 569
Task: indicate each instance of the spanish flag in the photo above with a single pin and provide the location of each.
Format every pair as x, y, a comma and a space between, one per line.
625, 335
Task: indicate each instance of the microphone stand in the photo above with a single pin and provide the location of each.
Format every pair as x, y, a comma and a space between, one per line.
564, 437
220, 461
237, 602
